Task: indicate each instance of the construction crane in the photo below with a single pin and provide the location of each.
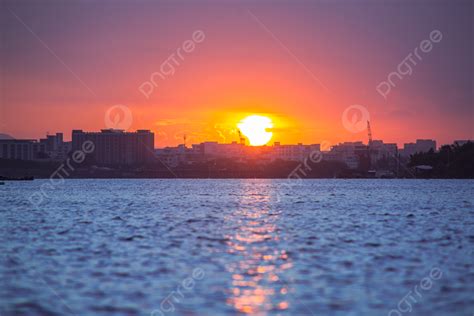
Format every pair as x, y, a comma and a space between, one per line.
241, 138
369, 131
369, 147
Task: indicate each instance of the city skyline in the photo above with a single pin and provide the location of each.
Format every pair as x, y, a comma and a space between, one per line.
272, 142
120, 153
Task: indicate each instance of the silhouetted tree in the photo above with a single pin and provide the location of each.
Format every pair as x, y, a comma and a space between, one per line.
452, 161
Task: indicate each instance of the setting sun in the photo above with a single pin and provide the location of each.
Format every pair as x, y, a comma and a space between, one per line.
254, 127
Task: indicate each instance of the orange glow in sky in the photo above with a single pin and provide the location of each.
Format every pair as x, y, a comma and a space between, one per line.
302, 72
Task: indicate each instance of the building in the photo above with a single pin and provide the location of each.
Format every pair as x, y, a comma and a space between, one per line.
348, 152
52, 142
379, 151
56, 148
214, 150
292, 152
117, 147
173, 156
356, 155
421, 146
21, 149
50, 148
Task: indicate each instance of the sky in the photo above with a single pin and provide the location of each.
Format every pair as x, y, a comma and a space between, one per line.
74, 64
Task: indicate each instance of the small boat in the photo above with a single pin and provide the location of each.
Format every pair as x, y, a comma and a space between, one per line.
2, 183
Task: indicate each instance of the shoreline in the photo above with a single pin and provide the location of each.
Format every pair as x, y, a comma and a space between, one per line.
222, 178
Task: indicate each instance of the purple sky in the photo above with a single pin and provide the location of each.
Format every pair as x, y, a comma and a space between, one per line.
64, 63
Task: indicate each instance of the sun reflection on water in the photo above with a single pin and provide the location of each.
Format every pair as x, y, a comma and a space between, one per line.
257, 272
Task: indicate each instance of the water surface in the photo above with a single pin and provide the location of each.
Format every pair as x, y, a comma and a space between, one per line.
231, 247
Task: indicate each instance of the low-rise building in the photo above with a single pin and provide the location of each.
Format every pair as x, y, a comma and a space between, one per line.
348, 152
236, 151
22, 149
421, 146
292, 152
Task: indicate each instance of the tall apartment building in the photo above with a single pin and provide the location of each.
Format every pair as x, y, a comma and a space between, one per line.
117, 147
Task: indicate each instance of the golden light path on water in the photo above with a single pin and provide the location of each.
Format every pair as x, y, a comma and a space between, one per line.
257, 287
